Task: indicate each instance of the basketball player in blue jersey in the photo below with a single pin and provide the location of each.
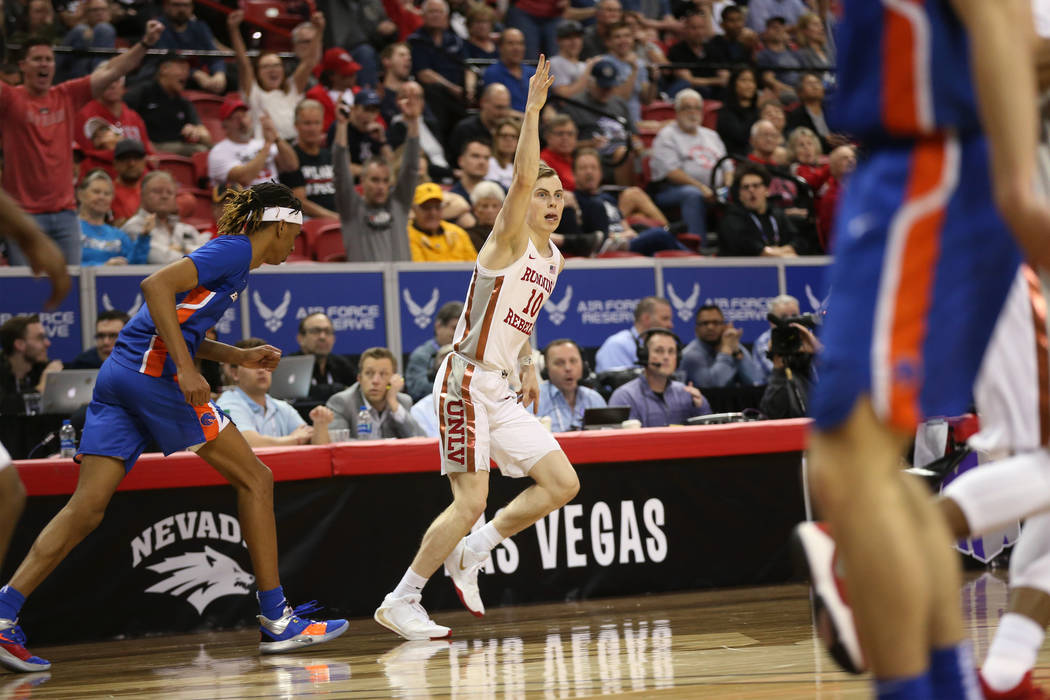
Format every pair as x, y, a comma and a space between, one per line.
149, 389
943, 96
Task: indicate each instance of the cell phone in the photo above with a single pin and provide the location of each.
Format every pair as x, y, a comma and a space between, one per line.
344, 110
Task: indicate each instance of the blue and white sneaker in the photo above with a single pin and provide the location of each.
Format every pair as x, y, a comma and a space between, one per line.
13, 652
292, 632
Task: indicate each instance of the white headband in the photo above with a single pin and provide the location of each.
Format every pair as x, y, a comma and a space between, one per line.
282, 214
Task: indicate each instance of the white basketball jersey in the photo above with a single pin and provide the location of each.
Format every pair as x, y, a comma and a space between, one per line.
502, 307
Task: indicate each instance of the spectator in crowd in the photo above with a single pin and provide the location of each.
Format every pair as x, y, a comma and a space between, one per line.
377, 390
605, 123
509, 69
773, 112
683, 156
570, 73
479, 44
94, 32
787, 391
129, 164
494, 106
10, 74
183, 32
562, 397
596, 37
538, 22
716, 357
433, 149
332, 373
655, 397
473, 166
267, 88
815, 53
842, 162
375, 222
620, 350
702, 76
171, 120
560, 133
420, 363
504, 144
807, 157
632, 70
24, 365
760, 11
424, 411
158, 221
486, 201
601, 212
36, 132
263, 420
810, 112
754, 227
110, 108
365, 136
362, 27
37, 21
102, 244
337, 76
102, 138
783, 306
765, 145
313, 182
735, 43
646, 38
777, 53
241, 158
397, 70
437, 58
107, 329
739, 111
431, 238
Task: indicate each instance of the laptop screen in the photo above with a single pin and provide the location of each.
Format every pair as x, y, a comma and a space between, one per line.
605, 417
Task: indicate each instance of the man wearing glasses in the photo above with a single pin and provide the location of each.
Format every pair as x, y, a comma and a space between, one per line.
332, 373
107, 328
716, 358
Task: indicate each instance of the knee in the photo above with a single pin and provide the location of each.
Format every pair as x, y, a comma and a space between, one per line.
831, 487
258, 482
471, 506
13, 497
566, 487
86, 514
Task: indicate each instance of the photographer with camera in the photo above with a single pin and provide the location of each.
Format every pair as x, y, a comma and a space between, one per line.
792, 346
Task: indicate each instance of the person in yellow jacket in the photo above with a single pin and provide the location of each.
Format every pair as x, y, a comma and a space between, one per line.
430, 238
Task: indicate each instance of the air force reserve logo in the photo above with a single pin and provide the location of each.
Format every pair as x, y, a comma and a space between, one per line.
557, 310
421, 314
819, 306
684, 308
273, 319
108, 305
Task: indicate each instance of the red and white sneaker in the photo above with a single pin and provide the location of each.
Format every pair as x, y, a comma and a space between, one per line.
463, 565
816, 552
1025, 690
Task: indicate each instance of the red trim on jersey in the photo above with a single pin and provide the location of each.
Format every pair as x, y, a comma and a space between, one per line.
193, 299
155, 357
442, 421
468, 410
490, 312
1042, 350
900, 109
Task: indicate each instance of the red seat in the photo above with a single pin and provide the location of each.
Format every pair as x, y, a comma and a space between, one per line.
214, 127
620, 254
180, 167
647, 136
201, 204
658, 111
297, 258
676, 254
313, 228
206, 104
329, 245
692, 241
711, 108
200, 164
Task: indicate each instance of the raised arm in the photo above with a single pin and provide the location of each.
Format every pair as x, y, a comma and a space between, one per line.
312, 56
509, 235
346, 196
244, 65
123, 63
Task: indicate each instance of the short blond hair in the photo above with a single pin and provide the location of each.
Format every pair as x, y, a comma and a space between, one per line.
546, 171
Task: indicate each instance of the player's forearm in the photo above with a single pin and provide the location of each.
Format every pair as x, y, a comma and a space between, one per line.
218, 352
527, 154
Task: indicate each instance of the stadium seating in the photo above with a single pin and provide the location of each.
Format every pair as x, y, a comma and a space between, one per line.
180, 167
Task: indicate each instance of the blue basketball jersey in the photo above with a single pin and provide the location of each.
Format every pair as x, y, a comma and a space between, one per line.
222, 273
903, 70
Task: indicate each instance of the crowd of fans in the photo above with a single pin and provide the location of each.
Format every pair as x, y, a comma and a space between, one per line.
399, 120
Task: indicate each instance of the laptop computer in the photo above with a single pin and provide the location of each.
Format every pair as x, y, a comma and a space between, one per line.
608, 417
291, 379
68, 390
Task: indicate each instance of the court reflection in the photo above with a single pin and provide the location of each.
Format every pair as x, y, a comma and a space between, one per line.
22, 685
303, 675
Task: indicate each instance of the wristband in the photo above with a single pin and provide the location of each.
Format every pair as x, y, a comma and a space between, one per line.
144, 44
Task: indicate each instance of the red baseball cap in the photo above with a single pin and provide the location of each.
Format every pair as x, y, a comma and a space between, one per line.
338, 60
231, 105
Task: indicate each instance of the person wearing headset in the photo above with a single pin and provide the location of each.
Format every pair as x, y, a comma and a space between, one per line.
562, 397
655, 397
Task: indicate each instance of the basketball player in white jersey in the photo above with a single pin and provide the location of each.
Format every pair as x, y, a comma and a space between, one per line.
484, 386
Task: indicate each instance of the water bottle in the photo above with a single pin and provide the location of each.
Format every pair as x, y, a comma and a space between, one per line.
67, 436
364, 424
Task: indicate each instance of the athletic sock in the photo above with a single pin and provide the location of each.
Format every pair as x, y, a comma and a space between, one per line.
411, 584
272, 602
485, 539
914, 688
952, 672
1013, 652
11, 602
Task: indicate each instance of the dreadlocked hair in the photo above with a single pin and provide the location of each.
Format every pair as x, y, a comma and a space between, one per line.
242, 210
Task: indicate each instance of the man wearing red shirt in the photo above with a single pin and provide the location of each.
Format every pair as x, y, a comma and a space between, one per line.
561, 136
110, 107
36, 133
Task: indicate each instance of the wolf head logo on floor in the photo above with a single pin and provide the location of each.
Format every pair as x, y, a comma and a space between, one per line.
421, 314
201, 577
684, 308
272, 318
557, 310
108, 305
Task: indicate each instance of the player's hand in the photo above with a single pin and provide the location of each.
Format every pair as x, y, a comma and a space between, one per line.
321, 416
397, 383
260, 357
538, 86
45, 258
194, 387
530, 388
698, 398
